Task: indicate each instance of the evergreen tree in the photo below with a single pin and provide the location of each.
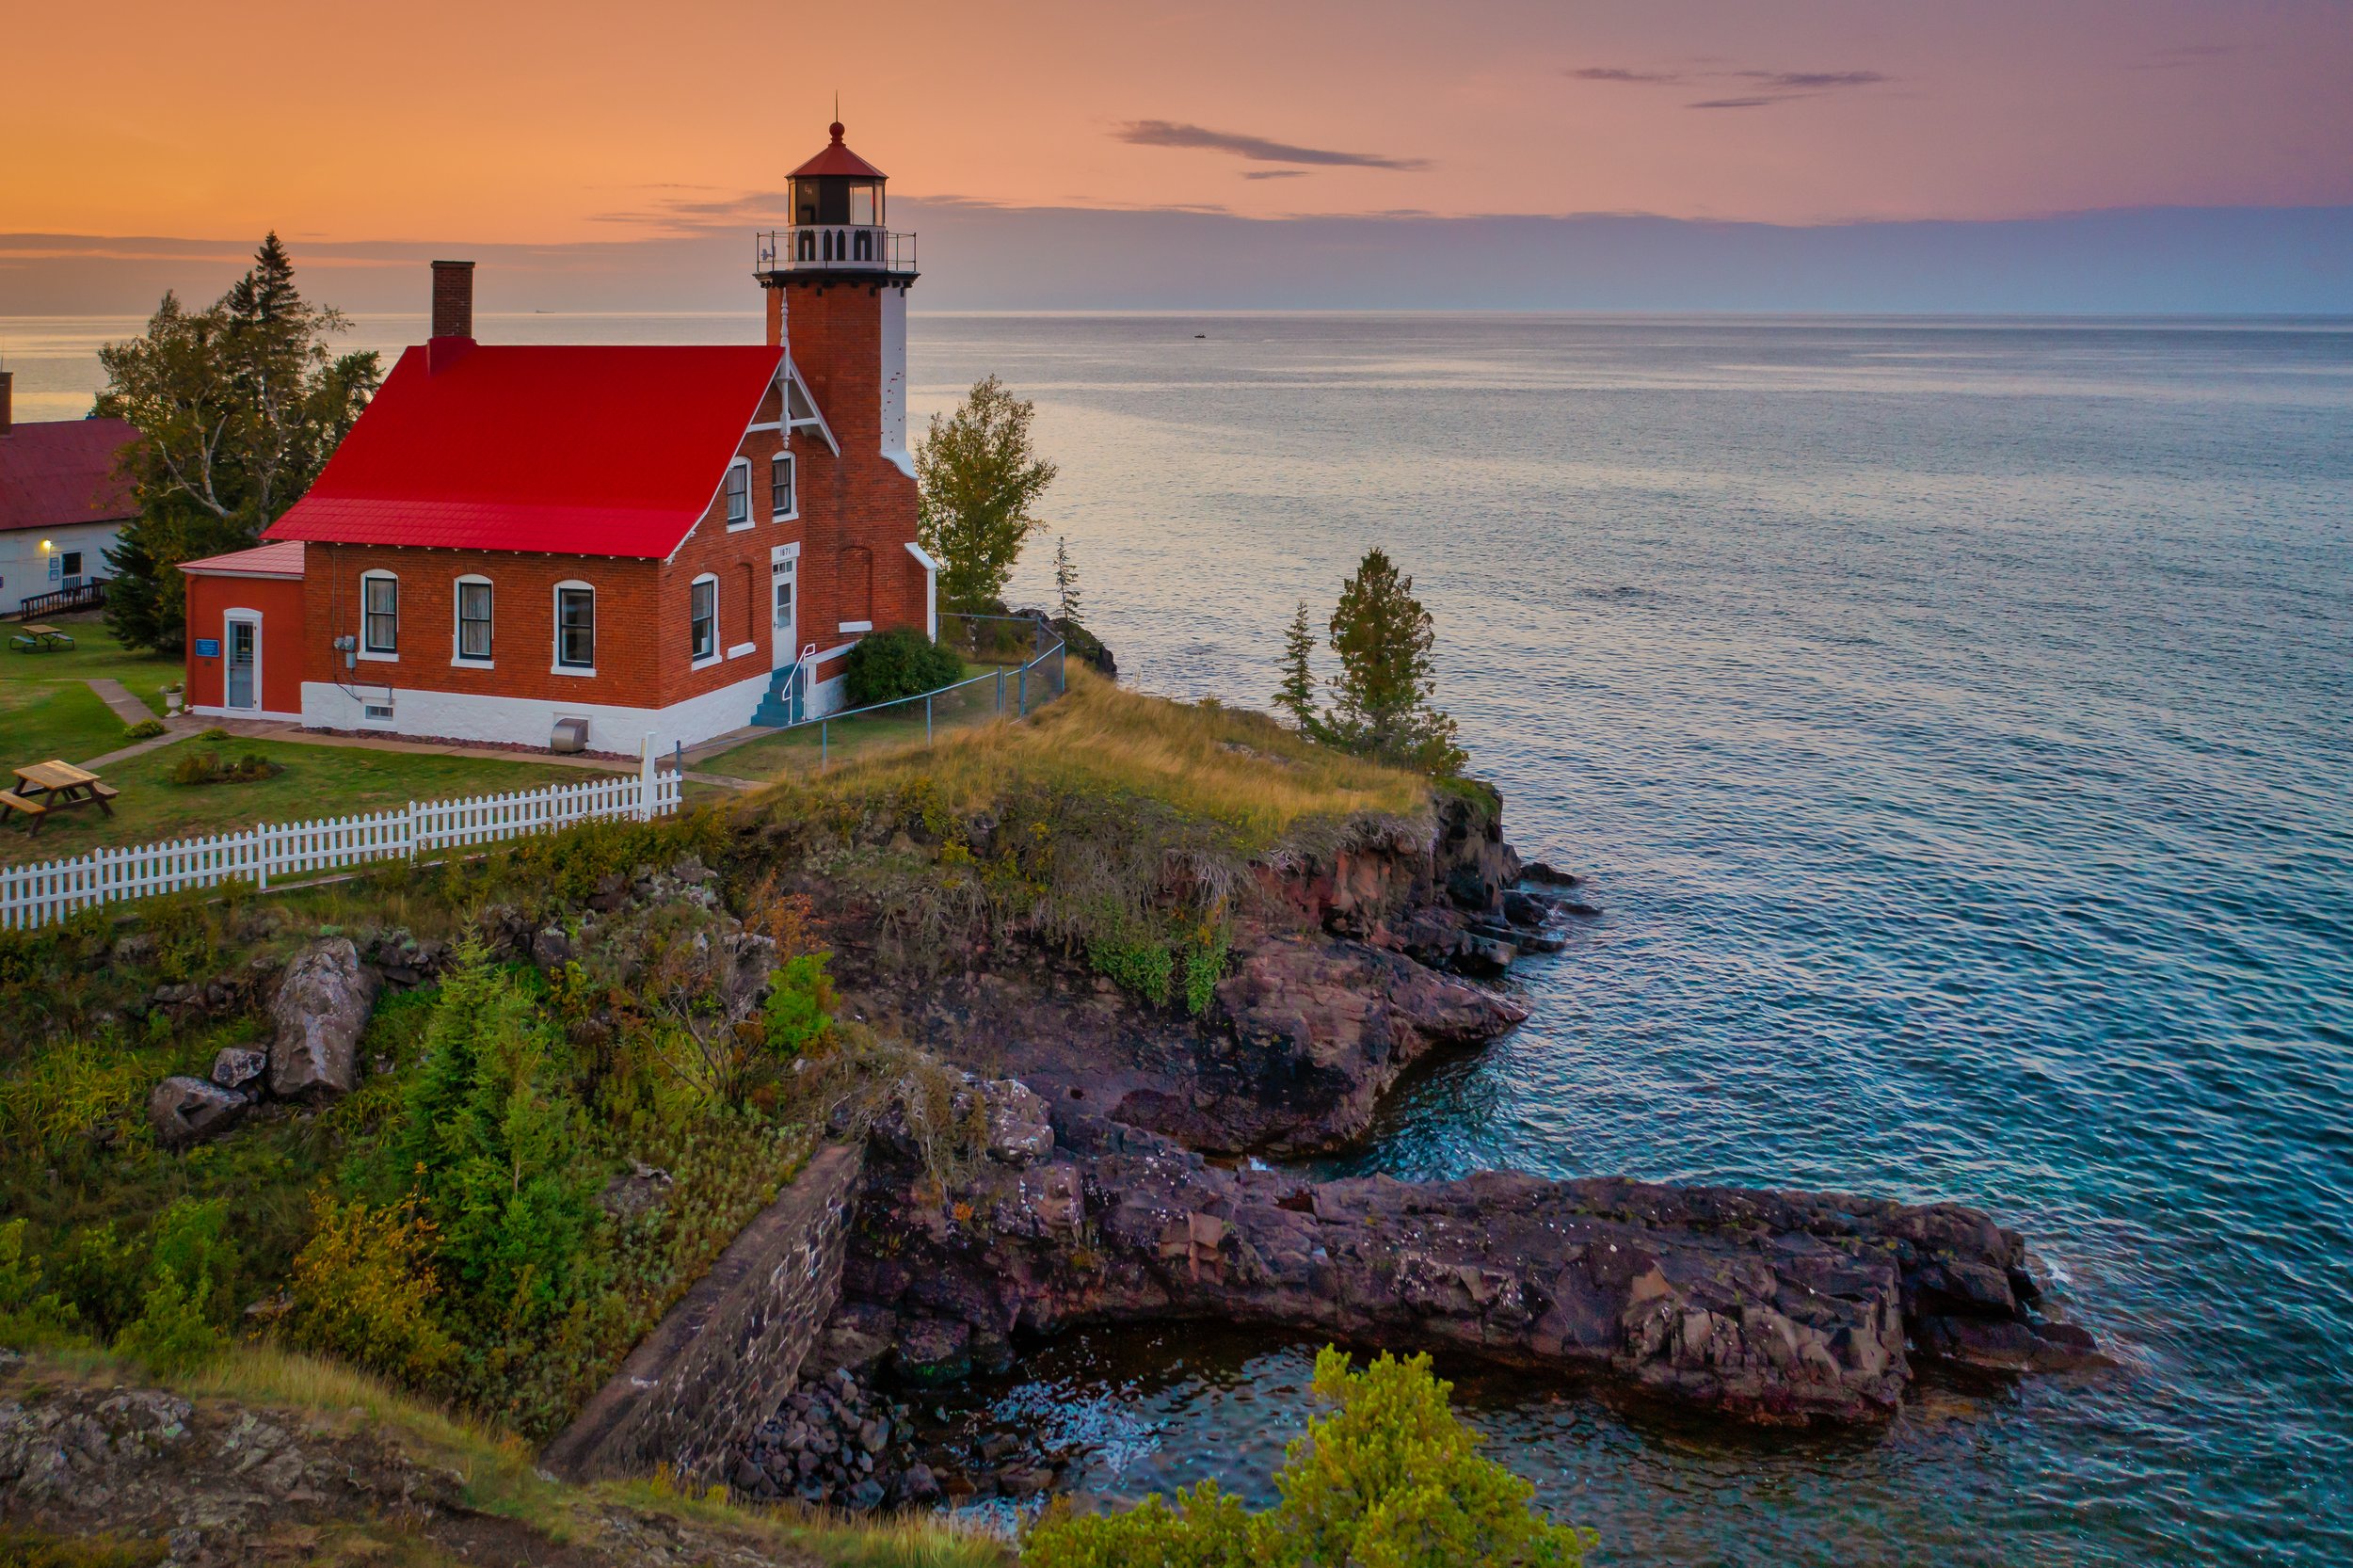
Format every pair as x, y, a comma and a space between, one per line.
979, 476
1382, 705
1065, 581
1296, 697
239, 406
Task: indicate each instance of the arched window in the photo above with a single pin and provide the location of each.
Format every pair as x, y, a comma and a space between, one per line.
738, 492
702, 619
854, 585
471, 597
575, 629
379, 615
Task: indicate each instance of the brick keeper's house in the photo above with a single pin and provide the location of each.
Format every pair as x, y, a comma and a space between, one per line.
581, 546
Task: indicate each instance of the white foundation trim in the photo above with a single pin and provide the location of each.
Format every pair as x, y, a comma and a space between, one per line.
205, 711
531, 721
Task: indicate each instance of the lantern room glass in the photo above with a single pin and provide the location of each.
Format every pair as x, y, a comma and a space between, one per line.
838, 198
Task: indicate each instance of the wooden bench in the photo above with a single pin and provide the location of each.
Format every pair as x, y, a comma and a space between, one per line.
12, 801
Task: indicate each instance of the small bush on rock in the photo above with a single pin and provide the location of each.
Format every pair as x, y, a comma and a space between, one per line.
884, 667
1389, 1479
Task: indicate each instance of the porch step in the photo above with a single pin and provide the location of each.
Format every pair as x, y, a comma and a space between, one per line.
781, 703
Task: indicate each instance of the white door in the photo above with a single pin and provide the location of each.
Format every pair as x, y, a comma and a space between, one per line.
783, 606
244, 664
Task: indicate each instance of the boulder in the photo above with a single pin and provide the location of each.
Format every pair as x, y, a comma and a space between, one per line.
932, 1351
240, 1068
1546, 875
1018, 1132
321, 1008
188, 1111
642, 1188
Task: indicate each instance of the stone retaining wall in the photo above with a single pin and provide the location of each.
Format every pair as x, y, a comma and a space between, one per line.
725, 1358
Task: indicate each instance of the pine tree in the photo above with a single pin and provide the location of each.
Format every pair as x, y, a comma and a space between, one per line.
1382, 705
1296, 697
1065, 581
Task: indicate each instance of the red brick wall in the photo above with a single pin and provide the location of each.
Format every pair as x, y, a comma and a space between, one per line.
861, 499
279, 602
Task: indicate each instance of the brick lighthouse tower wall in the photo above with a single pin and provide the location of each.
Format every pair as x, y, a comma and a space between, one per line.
848, 340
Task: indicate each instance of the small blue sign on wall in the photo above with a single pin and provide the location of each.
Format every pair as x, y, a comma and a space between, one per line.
208, 647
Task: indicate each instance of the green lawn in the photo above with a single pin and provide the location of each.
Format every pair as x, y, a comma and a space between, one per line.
95, 652
62, 719
805, 749
319, 781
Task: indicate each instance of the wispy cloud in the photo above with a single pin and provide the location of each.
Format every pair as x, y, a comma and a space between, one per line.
1274, 174
1771, 87
2183, 56
1620, 73
1169, 133
1812, 80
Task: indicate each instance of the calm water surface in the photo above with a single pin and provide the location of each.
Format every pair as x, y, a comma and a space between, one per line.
1953, 720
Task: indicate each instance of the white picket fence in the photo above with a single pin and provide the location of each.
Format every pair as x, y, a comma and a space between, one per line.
35, 895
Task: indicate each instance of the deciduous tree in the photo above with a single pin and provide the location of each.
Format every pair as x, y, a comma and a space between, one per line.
239, 405
980, 476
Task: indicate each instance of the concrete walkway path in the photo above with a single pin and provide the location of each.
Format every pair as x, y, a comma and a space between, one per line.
117, 696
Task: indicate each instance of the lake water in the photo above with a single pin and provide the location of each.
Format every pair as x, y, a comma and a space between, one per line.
1952, 719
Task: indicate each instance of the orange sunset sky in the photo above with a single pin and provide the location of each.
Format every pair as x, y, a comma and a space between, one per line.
590, 119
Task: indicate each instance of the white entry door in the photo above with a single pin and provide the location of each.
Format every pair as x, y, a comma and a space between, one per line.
245, 665
784, 604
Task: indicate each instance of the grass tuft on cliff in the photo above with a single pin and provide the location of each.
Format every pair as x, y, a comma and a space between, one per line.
1228, 764
593, 1523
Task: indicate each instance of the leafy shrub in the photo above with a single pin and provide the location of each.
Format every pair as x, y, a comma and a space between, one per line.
96, 1274
26, 1310
883, 666
146, 729
182, 927
191, 1241
799, 1009
62, 1095
174, 1332
1389, 1479
363, 1290
209, 767
1135, 959
1205, 965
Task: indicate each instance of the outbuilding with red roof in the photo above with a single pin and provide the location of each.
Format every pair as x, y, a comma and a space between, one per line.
63, 502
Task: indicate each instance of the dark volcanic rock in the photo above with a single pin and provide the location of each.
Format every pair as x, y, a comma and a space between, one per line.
320, 1009
187, 1111
1773, 1308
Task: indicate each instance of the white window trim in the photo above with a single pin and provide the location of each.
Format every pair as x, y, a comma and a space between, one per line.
794, 463
855, 626
742, 648
458, 656
744, 464
556, 607
378, 655
706, 661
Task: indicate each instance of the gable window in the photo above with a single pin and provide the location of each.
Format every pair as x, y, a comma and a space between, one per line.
703, 617
473, 620
739, 493
576, 627
781, 501
380, 614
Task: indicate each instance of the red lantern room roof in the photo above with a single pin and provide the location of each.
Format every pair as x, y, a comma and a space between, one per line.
838, 159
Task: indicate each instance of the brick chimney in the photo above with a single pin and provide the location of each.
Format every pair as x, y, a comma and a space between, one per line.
452, 299
8, 403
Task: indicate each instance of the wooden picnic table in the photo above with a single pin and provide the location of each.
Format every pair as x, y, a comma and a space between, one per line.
39, 639
46, 787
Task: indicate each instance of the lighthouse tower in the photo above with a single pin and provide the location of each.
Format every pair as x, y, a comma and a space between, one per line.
837, 284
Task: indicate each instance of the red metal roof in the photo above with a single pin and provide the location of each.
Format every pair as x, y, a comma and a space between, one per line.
838, 159
57, 472
569, 450
278, 558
